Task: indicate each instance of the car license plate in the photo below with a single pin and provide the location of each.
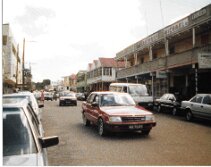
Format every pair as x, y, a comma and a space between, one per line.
135, 126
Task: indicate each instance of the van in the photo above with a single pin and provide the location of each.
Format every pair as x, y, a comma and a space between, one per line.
138, 92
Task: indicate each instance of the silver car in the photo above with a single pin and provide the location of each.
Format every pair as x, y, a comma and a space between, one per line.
23, 137
198, 106
30, 97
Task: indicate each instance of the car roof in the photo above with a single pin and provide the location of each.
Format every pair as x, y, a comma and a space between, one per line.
124, 84
18, 94
108, 92
14, 102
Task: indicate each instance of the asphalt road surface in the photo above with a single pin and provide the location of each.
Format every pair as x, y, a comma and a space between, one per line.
174, 141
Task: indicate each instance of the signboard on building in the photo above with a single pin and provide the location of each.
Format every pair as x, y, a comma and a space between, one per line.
161, 74
176, 26
204, 60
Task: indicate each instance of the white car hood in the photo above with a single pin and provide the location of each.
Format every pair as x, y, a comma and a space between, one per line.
21, 160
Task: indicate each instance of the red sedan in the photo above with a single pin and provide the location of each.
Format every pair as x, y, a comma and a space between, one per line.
116, 112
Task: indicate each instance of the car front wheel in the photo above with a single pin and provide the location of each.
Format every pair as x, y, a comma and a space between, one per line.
189, 115
101, 128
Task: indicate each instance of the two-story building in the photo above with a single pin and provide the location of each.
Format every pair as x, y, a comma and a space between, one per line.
176, 58
66, 83
101, 73
70, 82
12, 67
81, 81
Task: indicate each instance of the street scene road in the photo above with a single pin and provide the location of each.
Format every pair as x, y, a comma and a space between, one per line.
173, 141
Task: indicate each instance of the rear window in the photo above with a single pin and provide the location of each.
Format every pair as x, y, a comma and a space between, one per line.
17, 135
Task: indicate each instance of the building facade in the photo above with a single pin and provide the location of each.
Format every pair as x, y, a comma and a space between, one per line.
73, 81
12, 68
81, 81
175, 59
70, 82
101, 73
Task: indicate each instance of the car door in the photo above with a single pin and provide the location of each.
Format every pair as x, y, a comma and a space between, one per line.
206, 106
170, 101
195, 105
164, 100
37, 130
88, 110
95, 109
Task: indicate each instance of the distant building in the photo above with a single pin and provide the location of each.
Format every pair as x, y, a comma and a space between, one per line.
70, 82
66, 83
73, 81
81, 81
174, 59
12, 68
101, 73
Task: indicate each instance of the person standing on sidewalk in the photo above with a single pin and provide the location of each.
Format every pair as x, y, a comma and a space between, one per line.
42, 97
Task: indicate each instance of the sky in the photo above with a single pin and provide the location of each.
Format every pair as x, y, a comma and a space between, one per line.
63, 36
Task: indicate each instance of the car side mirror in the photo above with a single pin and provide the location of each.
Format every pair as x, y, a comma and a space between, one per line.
49, 141
95, 104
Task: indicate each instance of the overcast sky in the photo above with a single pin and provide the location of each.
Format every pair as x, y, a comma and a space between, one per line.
63, 36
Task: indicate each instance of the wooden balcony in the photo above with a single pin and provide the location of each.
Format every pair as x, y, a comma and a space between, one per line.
164, 63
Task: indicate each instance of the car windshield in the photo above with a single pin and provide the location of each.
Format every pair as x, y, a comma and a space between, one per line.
17, 135
116, 100
70, 94
138, 90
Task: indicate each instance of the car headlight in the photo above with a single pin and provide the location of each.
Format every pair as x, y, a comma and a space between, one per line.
149, 118
115, 119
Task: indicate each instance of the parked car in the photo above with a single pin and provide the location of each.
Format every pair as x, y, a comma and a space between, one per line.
48, 96
116, 112
23, 138
30, 97
168, 102
80, 96
68, 99
37, 95
138, 92
198, 106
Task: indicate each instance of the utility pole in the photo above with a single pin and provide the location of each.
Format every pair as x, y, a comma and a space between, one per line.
17, 57
23, 61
